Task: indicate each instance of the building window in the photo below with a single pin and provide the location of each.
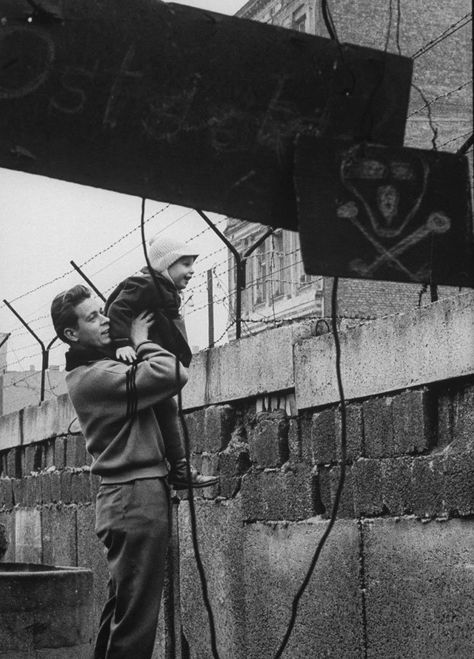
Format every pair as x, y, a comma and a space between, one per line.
277, 264
260, 272
299, 20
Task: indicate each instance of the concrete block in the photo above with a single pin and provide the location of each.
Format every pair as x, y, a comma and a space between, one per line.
329, 621
412, 349
220, 533
29, 459
94, 482
66, 415
59, 529
8, 521
277, 494
354, 431
91, 554
397, 485
323, 437
455, 413
13, 462
294, 441
66, 486
55, 482
196, 429
268, 440
234, 462
6, 493
32, 490
368, 480
328, 483
210, 467
40, 421
19, 491
428, 485
80, 487
218, 422
75, 451
45, 485
413, 421
10, 430
28, 547
60, 452
48, 453
419, 588
458, 479
378, 427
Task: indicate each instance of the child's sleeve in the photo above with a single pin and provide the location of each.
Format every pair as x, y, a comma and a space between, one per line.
133, 298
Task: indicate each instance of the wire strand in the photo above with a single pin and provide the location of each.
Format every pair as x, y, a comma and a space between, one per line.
342, 475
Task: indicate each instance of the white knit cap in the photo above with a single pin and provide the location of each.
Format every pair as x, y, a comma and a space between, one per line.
163, 252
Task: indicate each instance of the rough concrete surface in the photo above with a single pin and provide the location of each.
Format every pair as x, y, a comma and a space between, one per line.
329, 620
419, 588
264, 363
220, 537
433, 343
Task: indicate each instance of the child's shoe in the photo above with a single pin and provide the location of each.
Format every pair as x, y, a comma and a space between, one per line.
178, 477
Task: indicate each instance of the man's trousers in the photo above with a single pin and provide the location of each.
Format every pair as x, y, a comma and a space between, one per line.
132, 520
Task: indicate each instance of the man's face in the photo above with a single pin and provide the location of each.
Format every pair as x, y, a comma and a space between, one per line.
92, 329
181, 271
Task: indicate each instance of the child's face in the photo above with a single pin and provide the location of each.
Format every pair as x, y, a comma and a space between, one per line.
181, 271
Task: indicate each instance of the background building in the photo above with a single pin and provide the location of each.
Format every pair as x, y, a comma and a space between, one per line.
439, 116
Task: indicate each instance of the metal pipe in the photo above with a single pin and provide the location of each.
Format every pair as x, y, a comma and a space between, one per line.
86, 278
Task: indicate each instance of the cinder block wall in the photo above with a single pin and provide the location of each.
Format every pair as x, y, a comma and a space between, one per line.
396, 577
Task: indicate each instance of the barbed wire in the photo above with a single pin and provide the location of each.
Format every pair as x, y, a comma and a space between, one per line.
462, 22
441, 96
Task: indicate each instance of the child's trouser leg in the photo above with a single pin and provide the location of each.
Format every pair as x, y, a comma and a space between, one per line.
167, 415
168, 419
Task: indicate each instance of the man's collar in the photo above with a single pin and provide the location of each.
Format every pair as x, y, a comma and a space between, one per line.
78, 355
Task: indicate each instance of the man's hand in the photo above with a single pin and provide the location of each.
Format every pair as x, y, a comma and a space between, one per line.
140, 327
126, 354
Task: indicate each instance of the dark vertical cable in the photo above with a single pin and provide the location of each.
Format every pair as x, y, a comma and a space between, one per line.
342, 475
192, 510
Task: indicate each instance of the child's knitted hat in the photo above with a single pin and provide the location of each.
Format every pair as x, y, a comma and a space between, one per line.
163, 252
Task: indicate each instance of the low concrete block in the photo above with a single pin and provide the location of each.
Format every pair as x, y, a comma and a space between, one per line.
13, 462
378, 427
91, 554
28, 546
7, 518
419, 582
30, 458
455, 413
268, 440
209, 467
329, 620
75, 451
19, 491
458, 479
60, 452
32, 490
354, 431
234, 462
6, 493
294, 441
397, 485
219, 423
428, 485
328, 483
323, 437
196, 429
277, 494
66, 486
413, 421
220, 537
81, 487
59, 528
368, 479
10, 430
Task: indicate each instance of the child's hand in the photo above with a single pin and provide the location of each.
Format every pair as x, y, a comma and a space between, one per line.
126, 354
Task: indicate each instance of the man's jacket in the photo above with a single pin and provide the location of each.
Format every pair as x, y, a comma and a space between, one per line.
113, 403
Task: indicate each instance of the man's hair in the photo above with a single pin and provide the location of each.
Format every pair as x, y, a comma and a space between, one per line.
63, 309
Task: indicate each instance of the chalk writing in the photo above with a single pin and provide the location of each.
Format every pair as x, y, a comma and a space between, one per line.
26, 55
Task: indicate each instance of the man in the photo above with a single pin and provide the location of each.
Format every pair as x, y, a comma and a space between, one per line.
113, 402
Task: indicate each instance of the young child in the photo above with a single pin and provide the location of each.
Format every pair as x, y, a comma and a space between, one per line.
172, 264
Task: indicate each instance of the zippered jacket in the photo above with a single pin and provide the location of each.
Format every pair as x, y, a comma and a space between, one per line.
113, 403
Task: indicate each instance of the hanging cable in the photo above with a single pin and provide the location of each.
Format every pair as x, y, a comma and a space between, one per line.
342, 475
192, 510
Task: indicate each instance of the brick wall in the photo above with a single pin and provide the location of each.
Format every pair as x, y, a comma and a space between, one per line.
395, 578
